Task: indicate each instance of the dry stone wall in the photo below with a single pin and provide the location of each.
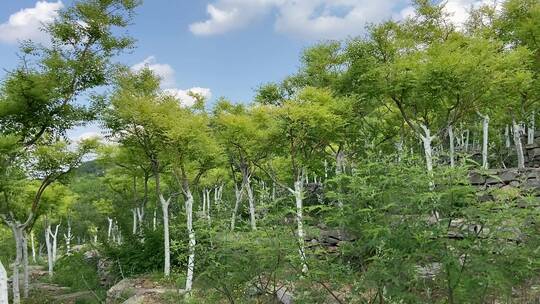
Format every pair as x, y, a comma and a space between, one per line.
532, 153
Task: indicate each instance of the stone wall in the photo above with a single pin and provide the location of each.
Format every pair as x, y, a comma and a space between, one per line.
532, 152
525, 181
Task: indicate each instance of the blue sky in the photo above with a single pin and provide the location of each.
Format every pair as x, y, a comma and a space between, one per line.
219, 47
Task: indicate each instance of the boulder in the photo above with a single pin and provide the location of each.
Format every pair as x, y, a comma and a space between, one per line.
508, 176
137, 290
477, 178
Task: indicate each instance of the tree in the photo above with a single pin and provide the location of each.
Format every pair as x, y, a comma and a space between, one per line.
433, 75
303, 127
241, 138
135, 104
37, 98
191, 151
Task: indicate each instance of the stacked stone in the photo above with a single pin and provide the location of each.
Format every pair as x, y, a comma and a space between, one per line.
532, 153
527, 180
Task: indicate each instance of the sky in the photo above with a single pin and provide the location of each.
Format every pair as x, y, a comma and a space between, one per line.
218, 48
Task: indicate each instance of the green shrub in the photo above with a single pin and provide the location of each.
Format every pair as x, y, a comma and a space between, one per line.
77, 273
136, 256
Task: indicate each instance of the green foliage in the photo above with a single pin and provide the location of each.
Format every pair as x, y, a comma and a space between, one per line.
418, 244
77, 272
135, 255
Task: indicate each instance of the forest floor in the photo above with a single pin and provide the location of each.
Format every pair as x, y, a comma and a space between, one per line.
43, 291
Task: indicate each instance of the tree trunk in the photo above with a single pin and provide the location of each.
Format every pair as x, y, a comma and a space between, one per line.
519, 145
109, 229
192, 241
55, 244
238, 194
299, 197
251, 200
17, 233
428, 150
49, 249
154, 221
33, 247
467, 140
485, 140
208, 205
3, 285
507, 136
452, 148
67, 238
340, 162
134, 212
167, 245
26, 278
140, 218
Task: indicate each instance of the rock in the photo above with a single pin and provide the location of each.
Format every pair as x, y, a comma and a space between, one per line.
73, 298
493, 180
508, 175
52, 289
532, 185
284, 296
477, 178
484, 197
514, 184
140, 299
136, 289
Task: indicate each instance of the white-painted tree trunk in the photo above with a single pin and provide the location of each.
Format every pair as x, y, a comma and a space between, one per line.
154, 221
109, 230
165, 208
238, 192
208, 206
467, 140
452, 147
340, 162
428, 150
55, 244
192, 241
251, 200
26, 277
140, 218
530, 133
298, 192
485, 140
68, 237
50, 261
507, 137
33, 247
518, 144
17, 233
134, 213
3, 285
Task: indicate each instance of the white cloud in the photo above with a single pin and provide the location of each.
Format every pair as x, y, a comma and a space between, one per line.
311, 19
228, 15
27, 23
164, 71
458, 10
168, 81
185, 95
